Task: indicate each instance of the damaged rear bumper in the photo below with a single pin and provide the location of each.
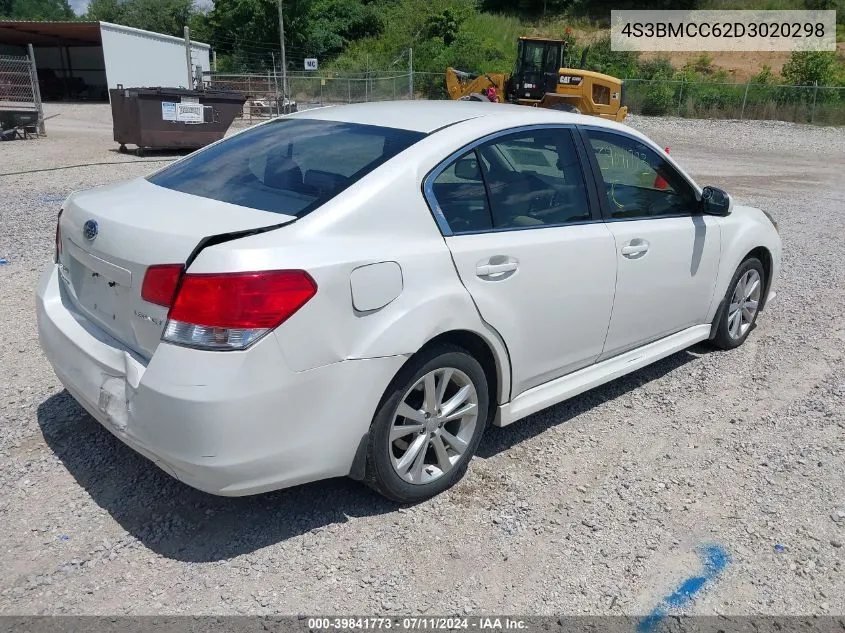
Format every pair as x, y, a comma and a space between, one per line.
232, 423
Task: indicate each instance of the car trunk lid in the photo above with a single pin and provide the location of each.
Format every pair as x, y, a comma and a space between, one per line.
111, 235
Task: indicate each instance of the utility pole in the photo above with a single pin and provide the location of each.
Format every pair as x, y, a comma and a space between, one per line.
190, 84
36, 89
284, 58
275, 83
411, 72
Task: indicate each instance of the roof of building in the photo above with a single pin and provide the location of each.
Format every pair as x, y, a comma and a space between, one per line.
37, 33
23, 32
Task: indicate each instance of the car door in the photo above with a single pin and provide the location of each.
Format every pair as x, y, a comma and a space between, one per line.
667, 251
530, 248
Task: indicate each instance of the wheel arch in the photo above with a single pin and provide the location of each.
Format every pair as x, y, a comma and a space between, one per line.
765, 256
480, 350
496, 366
746, 233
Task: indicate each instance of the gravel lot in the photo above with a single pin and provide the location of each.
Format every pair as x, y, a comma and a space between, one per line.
596, 506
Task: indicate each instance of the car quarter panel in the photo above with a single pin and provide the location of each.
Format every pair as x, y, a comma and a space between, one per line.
382, 218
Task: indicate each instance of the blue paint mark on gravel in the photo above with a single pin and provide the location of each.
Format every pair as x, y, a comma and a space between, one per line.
714, 559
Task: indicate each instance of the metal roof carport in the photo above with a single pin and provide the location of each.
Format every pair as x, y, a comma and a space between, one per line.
82, 60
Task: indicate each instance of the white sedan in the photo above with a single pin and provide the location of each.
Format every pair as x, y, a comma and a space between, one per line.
361, 290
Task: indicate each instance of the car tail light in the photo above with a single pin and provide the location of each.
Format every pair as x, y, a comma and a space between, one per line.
228, 311
160, 283
59, 236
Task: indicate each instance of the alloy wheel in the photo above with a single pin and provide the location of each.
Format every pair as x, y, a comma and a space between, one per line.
433, 425
744, 304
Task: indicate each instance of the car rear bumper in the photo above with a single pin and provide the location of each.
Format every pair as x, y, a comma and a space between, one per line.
228, 423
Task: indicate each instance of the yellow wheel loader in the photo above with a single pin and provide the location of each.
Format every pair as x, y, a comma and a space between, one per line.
539, 80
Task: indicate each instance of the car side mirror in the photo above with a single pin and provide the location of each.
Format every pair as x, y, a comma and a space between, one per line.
467, 169
715, 201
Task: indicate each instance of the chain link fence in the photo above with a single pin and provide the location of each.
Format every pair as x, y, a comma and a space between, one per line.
823, 105
19, 92
264, 91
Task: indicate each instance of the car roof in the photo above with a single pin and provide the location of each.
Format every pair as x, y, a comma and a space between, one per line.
429, 116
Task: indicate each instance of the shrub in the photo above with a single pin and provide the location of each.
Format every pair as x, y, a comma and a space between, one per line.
658, 99
658, 68
805, 68
703, 64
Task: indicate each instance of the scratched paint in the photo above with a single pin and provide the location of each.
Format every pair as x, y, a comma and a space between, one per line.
714, 560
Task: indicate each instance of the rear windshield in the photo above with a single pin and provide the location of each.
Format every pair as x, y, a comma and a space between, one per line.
289, 166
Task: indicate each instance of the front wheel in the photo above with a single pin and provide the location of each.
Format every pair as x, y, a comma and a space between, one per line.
428, 426
742, 304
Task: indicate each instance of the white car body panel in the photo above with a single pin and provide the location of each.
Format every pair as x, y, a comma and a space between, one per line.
212, 420
297, 405
554, 322
140, 224
743, 231
578, 382
668, 287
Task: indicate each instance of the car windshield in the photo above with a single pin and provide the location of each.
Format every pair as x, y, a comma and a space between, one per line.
289, 166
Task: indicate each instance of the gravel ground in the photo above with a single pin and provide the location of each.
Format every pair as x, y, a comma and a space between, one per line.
595, 506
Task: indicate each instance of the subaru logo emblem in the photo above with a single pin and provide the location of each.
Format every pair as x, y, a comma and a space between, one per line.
90, 229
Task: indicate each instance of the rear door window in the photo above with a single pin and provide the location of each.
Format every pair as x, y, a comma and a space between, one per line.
534, 179
460, 193
289, 166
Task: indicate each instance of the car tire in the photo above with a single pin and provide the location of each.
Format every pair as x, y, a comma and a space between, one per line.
406, 466
738, 316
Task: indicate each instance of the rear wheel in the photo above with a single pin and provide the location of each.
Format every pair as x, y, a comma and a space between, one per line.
741, 305
428, 426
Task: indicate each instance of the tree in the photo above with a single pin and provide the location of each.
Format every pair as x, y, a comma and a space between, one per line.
332, 24
806, 68
445, 25
36, 10
105, 11
248, 30
161, 16
526, 7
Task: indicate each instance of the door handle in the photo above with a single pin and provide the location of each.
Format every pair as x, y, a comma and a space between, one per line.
635, 247
485, 270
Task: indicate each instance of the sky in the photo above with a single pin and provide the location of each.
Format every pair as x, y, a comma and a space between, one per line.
79, 6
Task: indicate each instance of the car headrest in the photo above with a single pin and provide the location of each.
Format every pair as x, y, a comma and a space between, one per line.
283, 173
324, 181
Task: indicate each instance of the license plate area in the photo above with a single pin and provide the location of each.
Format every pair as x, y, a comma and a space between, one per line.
94, 291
